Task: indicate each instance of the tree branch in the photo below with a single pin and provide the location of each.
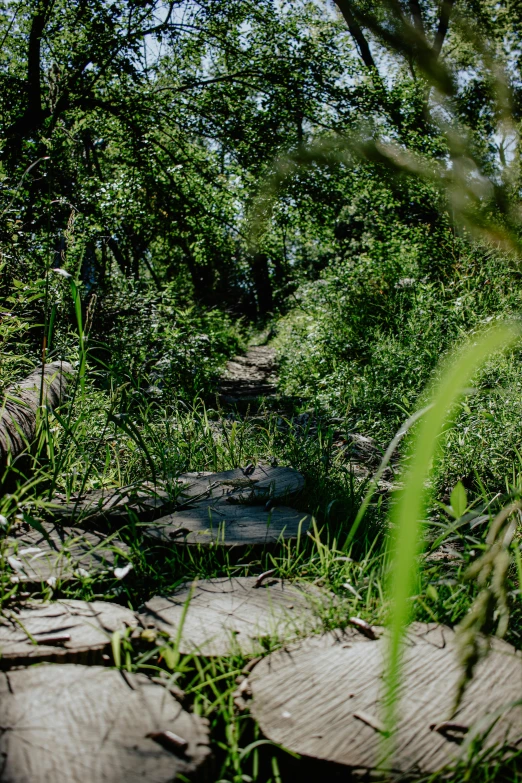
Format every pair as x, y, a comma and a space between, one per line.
204, 82
33, 109
416, 15
364, 49
445, 13
356, 33
11, 23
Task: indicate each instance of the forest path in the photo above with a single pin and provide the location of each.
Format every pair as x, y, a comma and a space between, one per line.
289, 692
250, 375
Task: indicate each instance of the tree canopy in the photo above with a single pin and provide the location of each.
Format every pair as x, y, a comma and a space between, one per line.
152, 126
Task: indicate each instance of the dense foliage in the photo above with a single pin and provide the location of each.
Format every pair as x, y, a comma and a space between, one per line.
137, 138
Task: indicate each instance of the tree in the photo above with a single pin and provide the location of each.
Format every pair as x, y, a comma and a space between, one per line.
137, 134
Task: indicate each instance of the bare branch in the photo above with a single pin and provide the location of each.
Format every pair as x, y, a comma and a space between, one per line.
356, 33
11, 23
34, 88
445, 13
204, 82
416, 15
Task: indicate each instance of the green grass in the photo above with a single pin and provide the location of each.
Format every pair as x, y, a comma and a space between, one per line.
202, 437
113, 432
360, 346
410, 508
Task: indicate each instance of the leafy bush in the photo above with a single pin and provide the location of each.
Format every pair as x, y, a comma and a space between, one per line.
366, 337
165, 345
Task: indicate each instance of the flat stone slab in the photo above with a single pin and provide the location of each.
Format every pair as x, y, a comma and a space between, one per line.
146, 501
88, 723
60, 632
65, 554
112, 504
231, 615
257, 485
221, 524
323, 699
18, 409
230, 508
251, 375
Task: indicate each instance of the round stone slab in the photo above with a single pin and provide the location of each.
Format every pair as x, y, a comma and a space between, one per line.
228, 525
62, 632
227, 616
258, 485
250, 376
323, 699
66, 553
111, 505
89, 723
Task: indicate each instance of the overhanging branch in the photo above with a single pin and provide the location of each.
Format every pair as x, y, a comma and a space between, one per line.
445, 14
356, 33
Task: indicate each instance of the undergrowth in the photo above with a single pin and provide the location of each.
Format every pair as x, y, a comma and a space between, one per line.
198, 437
365, 339
131, 419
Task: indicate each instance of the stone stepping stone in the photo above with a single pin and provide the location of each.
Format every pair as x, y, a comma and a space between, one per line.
148, 501
18, 410
250, 376
110, 505
231, 615
230, 509
323, 699
89, 723
65, 554
227, 525
241, 485
61, 632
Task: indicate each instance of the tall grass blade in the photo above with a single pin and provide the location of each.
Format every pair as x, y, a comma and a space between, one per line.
409, 511
401, 432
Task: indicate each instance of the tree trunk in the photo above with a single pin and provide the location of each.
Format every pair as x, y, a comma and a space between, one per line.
262, 283
22, 400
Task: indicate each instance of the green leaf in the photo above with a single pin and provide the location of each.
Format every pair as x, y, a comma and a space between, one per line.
431, 592
116, 648
170, 656
459, 500
410, 510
